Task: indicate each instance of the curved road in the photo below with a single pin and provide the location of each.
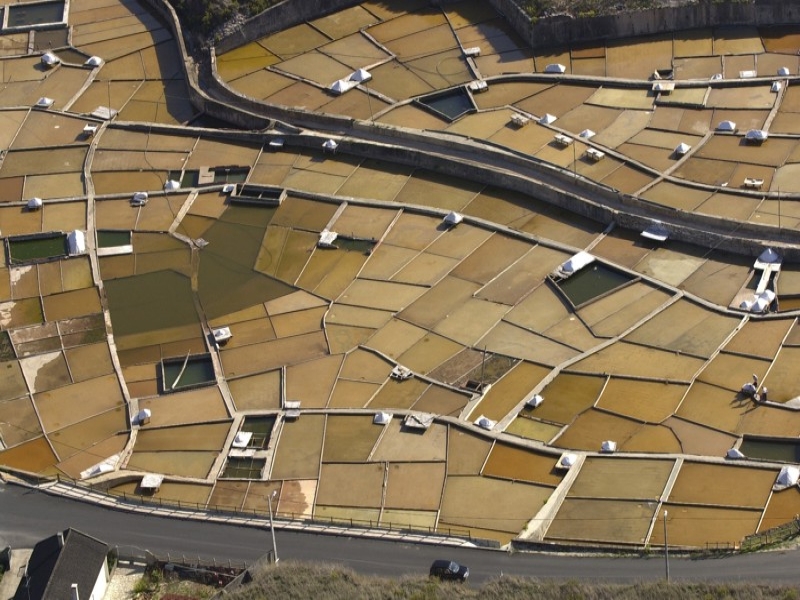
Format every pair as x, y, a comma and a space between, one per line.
29, 515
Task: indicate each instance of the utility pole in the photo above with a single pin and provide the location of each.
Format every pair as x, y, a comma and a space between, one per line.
666, 546
271, 524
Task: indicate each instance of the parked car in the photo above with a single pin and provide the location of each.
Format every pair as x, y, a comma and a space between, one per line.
449, 570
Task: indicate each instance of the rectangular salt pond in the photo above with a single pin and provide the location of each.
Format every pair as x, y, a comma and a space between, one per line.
36, 248
777, 450
591, 282
243, 468
189, 372
27, 14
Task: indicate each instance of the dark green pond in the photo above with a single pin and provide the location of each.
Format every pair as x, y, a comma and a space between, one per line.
112, 239
772, 450
150, 302
592, 281
261, 428
199, 370
227, 281
36, 249
22, 15
243, 468
451, 104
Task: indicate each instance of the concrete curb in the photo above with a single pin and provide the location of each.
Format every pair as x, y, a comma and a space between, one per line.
91, 497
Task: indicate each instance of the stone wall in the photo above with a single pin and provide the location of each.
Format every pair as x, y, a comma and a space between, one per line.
279, 17
562, 31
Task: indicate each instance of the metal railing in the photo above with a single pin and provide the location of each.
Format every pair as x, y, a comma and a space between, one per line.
771, 536
241, 512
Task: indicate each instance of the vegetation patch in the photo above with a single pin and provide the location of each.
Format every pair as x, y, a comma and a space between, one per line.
297, 580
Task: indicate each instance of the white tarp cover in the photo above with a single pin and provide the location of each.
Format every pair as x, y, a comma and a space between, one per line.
768, 257
76, 242
221, 334
342, 85
576, 263
105, 466
401, 373
50, 60
734, 454
756, 135
608, 446
547, 119
555, 68
139, 199
656, 232
784, 71
534, 401
382, 418
330, 145
567, 460
242, 439
151, 482
726, 126
485, 422
453, 218
93, 61
326, 239
682, 149
587, 134
34, 204
44, 102
418, 420
776, 86
172, 184
360, 76
788, 476
143, 416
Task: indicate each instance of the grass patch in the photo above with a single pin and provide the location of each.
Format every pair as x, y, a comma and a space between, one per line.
293, 580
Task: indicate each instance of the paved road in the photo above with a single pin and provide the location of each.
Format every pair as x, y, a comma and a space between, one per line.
29, 515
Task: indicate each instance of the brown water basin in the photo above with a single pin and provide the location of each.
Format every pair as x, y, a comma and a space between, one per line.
509, 391
514, 341
243, 60
311, 382
441, 401
364, 487
692, 329
85, 435
700, 483
651, 363
533, 429
70, 404
590, 429
602, 521
467, 499
352, 394
195, 406
425, 188
82, 461
782, 508
19, 421
45, 371
257, 392
399, 394
511, 462
720, 278
205, 436
612, 478
641, 400
349, 439
399, 444
180, 463
34, 456
299, 448
466, 452
414, 486
699, 526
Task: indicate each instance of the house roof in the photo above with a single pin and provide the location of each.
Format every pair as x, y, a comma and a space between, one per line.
53, 568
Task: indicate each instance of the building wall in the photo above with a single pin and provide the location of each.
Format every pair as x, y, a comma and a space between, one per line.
100, 585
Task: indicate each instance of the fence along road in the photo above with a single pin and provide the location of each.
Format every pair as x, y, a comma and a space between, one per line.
30, 514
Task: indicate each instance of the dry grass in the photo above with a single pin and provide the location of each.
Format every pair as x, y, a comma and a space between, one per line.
302, 581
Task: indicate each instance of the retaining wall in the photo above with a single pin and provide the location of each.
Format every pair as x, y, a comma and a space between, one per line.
563, 30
